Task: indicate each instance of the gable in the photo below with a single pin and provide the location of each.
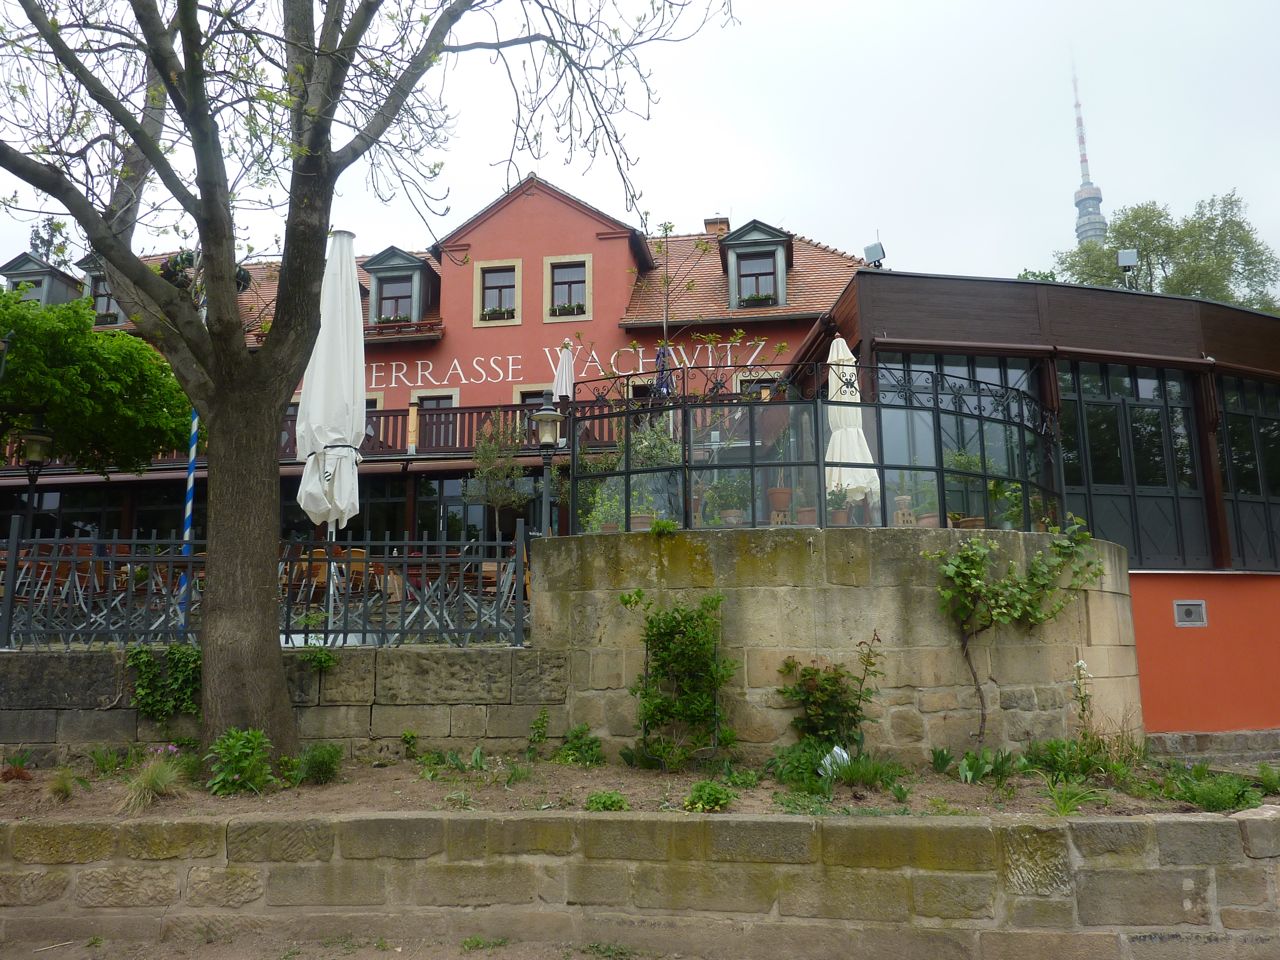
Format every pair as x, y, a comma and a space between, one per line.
391, 258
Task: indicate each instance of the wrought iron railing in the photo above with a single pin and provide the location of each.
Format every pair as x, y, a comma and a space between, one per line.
128, 590
731, 446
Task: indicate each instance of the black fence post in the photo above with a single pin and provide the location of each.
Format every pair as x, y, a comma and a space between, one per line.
10, 581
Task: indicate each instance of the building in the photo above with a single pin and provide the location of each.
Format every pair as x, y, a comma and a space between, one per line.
1167, 408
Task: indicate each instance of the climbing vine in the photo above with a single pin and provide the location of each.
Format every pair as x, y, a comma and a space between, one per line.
159, 694
976, 596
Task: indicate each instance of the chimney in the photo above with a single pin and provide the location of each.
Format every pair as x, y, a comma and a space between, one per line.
717, 226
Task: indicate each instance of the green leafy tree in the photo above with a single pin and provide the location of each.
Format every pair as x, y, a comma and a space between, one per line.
49, 242
1214, 253
107, 398
498, 474
184, 117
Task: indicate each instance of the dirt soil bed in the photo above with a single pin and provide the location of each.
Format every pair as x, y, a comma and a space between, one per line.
363, 787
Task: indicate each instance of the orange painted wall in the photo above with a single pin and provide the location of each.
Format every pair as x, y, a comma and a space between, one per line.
1225, 676
493, 363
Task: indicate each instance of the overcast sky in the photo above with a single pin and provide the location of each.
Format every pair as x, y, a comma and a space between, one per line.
947, 127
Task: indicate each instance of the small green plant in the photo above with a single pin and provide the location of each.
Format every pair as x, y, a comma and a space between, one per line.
107, 761
319, 764
410, 741
976, 596
317, 656
941, 760
482, 943
580, 748
866, 770
287, 769
1063, 760
802, 804
63, 782
1068, 796
381, 944
678, 693
1268, 779
155, 779
240, 760
797, 766
938, 807
477, 762
833, 699
663, 527
604, 800
610, 951
1218, 793
707, 796
15, 768
518, 773
900, 792
975, 767
538, 727
460, 800
1003, 765
94, 941
453, 760
743, 779
160, 694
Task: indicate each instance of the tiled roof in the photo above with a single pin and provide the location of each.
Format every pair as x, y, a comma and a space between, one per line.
700, 288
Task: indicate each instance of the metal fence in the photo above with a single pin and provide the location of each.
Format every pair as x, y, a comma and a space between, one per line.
123, 590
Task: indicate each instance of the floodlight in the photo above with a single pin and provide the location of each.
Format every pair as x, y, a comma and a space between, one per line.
873, 254
1126, 259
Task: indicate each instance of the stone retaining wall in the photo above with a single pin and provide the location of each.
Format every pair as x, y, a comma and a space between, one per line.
814, 594
1142, 888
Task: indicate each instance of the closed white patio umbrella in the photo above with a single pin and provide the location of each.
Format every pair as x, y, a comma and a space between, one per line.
848, 442
562, 388
331, 413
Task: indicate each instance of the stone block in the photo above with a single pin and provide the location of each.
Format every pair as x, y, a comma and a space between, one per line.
954, 896
1002, 945
172, 839
551, 616
946, 699
1260, 831
467, 721
1242, 886
956, 731
166, 731
326, 884
730, 887
97, 726
1052, 697
1243, 918
513, 923
127, 887
333, 723
906, 725
417, 675
1176, 945
1055, 913
1115, 841
844, 894
756, 722
26, 888
407, 836
505, 720
303, 682
351, 679
941, 666
28, 726
762, 840
464, 884
1142, 898
848, 556
1017, 698
62, 680
1022, 727
1034, 860
425, 721
466, 836
598, 884
251, 839
224, 886
620, 714
46, 928
542, 833
1198, 838
1030, 663
953, 843
622, 836
539, 676
50, 842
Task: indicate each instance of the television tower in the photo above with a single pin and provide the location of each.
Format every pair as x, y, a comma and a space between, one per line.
1091, 225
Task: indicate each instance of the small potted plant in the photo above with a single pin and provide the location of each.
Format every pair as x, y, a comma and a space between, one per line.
960, 521
757, 300
729, 496
838, 506
498, 313
1006, 503
806, 513
606, 514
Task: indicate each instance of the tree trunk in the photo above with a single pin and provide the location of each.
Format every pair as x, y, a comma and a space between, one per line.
244, 680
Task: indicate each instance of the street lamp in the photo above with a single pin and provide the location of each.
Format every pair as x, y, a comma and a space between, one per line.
548, 420
37, 445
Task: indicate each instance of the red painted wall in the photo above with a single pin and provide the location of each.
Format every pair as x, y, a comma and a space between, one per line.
1225, 676
489, 364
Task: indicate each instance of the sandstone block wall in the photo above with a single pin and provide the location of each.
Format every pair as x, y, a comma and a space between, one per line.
1142, 888
814, 594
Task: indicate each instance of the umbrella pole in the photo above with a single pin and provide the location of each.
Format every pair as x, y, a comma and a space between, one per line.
331, 540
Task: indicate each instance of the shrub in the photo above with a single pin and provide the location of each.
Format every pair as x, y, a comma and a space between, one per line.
410, 741
63, 784
16, 767
796, 766
744, 779
1268, 779
832, 698
603, 800
679, 692
240, 760
974, 767
580, 748
866, 771
1063, 760
319, 764
155, 779
707, 796
319, 657
1215, 794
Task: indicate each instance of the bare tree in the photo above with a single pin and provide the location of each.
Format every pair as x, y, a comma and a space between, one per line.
183, 116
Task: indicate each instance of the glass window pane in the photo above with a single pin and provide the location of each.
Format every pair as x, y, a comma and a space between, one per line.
986, 369
914, 498
1175, 386
568, 272
965, 497
1184, 467
724, 497
1119, 380
1146, 427
1148, 384
1269, 442
955, 366
923, 361
1231, 393
1244, 457
1271, 399
1091, 380
908, 437
1018, 372
1066, 378
1001, 448
1102, 423
961, 447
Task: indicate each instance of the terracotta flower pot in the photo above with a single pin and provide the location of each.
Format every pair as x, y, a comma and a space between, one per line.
731, 518
806, 516
641, 521
608, 528
838, 517
779, 499
969, 523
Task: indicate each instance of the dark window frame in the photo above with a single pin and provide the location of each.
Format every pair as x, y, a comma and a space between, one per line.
102, 300
396, 301
563, 291
487, 286
749, 281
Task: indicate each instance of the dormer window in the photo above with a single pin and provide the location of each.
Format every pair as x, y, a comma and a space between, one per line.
395, 299
756, 258
105, 309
